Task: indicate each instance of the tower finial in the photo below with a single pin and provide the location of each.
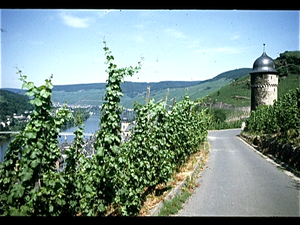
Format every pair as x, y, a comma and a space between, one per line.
264, 47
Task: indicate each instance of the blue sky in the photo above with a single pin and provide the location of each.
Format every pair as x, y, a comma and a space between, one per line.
175, 44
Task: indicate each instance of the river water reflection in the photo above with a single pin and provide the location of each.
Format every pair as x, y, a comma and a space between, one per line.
91, 125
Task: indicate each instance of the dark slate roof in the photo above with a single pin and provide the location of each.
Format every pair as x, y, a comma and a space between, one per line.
264, 64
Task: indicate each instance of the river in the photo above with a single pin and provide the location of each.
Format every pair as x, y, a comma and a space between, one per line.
91, 125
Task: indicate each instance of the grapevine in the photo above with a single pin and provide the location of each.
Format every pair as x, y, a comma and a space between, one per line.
119, 176
282, 118
29, 183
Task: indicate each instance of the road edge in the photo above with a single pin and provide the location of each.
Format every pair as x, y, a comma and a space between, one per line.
176, 190
269, 159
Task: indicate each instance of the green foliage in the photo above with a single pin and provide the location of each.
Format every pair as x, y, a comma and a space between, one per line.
172, 207
84, 114
225, 125
288, 63
160, 144
282, 118
118, 176
288, 83
29, 183
108, 139
218, 115
11, 103
73, 173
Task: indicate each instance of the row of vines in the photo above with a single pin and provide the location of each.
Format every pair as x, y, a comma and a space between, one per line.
281, 119
118, 177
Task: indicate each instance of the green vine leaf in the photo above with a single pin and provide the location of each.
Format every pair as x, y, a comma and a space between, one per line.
26, 174
116, 175
44, 93
36, 102
35, 163
30, 134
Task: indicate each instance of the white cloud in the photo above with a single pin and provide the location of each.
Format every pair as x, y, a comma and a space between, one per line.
235, 36
75, 21
175, 33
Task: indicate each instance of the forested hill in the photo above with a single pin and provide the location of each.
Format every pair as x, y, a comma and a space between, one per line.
288, 63
11, 103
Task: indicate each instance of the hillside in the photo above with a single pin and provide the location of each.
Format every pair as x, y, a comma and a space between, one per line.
128, 86
238, 92
11, 103
231, 87
92, 94
232, 74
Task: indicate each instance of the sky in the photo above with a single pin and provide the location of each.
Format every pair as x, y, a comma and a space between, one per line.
185, 45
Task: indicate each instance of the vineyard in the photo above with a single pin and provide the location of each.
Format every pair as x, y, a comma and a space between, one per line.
119, 176
281, 119
275, 129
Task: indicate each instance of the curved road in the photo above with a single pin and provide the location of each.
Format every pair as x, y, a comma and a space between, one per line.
237, 181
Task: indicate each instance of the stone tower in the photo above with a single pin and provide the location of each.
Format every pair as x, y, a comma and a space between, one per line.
264, 81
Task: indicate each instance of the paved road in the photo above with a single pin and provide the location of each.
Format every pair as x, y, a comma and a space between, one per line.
239, 182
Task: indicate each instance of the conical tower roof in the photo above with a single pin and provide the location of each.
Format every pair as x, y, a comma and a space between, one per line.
264, 64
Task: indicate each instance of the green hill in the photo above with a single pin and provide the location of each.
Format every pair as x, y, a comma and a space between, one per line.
11, 103
196, 91
92, 94
130, 88
238, 92
231, 87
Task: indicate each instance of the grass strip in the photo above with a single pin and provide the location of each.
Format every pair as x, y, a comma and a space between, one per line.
174, 205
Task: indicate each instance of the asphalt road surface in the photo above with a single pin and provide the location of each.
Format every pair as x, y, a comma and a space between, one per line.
237, 181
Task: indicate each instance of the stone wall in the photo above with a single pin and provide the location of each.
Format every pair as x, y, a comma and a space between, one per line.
284, 152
